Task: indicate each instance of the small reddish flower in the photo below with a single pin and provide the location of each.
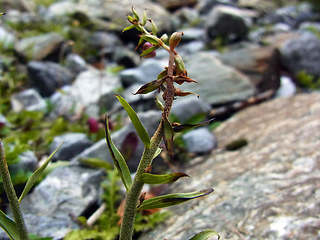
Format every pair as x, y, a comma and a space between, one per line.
93, 125
146, 46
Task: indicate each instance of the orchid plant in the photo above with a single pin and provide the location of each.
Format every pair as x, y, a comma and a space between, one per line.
174, 73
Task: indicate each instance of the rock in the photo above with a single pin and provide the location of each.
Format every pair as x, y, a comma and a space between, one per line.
228, 22
61, 9
187, 107
287, 87
7, 39
7, 5
75, 63
47, 77
28, 163
186, 17
268, 189
174, 4
40, 47
3, 121
302, 54
193, 34
199, 140
66, 191
150, 120
28, 100
260, 64
72, 145
205, 6
217, 83
125, 57
109, 15
94, 89
292, 15
310, 26
146, 72
260, 5
62, 103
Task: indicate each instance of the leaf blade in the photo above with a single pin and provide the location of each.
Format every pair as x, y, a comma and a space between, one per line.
142, 132
118, 159
205, 234
168, 134
149, 178
36, 175
185, 127
172, 199
9, 226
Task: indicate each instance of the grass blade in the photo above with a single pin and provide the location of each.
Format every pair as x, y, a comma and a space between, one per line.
142, 132
36, 175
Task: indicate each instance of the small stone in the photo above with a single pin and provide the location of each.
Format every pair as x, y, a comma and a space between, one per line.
287, 87
29, 100
200, 140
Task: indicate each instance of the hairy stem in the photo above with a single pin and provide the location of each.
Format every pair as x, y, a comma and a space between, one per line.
12, 197
127, 225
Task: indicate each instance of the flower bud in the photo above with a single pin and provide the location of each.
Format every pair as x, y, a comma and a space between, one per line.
147, 46
175, 39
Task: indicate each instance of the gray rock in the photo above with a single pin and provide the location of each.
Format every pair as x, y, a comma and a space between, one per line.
47, 77
63, 104
217, 83
7, 39
110, 15
260, 5
39, 47
199, 140
302, 54
205, 6
61, 9
187, 107
150, 120
3, 121
268, 189
287, 87
187, 17
125, 57
75, 63
94, 89
227, 22
65, 191
146, 72
28, 163
72, 145
29, 100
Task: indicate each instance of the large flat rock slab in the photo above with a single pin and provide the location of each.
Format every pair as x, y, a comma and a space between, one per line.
268, 189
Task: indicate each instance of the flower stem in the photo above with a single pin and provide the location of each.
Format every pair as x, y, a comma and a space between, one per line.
12, 197
130, 210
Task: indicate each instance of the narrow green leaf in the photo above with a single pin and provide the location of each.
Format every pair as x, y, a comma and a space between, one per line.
118, 159
130, 18
159, 104
144, 18
142, 132
161, 179
172, 199
180, 65
149, 50
154, 28
168, 136
96, 163
150, 86
2, 13
157, 153
150, 38
9, 226
128, 28
185, 127
206, 234
135, 14
163, 74
36, 175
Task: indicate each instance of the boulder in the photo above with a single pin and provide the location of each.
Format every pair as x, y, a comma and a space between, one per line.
268, 189
199, 141
174, 4
72, 145
47, 77
217, 83
230, 23
29, 100
302, 54
94, 89
40, 47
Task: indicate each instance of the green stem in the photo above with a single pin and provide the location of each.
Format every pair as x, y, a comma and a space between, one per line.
12, 197
130, 210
